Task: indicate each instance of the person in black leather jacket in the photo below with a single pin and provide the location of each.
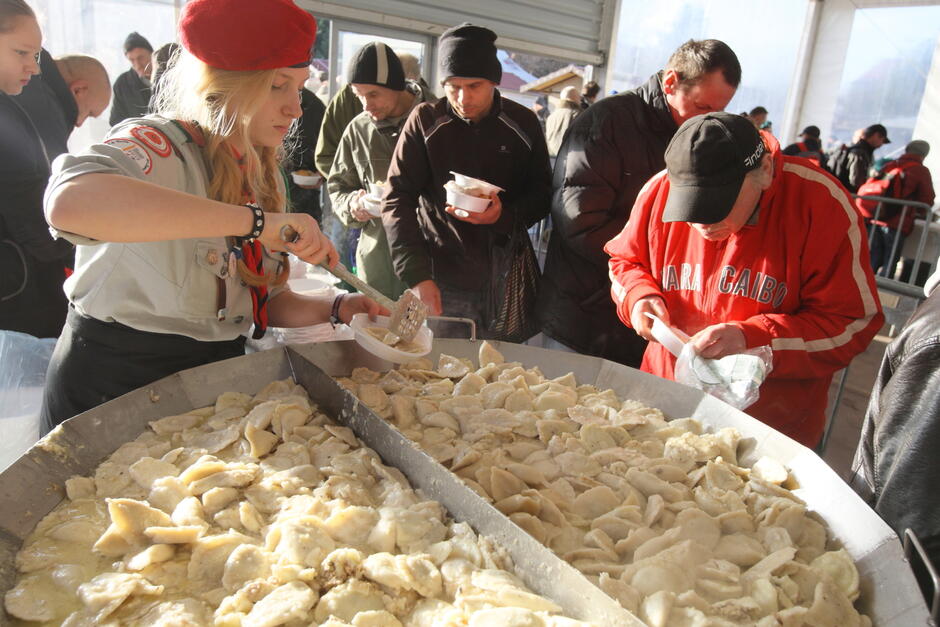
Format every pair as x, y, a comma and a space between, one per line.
896, 466
609, 153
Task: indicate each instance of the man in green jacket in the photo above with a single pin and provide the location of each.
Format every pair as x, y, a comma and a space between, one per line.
377, 80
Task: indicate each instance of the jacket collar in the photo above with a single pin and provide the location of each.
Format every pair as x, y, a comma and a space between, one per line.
495, 110
652, 94
419, 96
864, 145
53, 80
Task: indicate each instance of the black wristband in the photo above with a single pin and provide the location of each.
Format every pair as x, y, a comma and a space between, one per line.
334, 311
257, 223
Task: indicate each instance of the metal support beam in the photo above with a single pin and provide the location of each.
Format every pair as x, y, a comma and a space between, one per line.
804, 61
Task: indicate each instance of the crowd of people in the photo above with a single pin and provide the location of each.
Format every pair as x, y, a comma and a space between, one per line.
660, 203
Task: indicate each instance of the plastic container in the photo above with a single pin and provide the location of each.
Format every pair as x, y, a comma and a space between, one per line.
468, 181
359, 323
302, 178
465, 201
376, 190
307, 286
372, 205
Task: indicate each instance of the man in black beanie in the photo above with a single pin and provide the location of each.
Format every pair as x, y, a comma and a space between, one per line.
377, 79
132, 88
447, 254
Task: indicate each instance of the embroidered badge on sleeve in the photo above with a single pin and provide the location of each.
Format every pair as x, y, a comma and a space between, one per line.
137, 153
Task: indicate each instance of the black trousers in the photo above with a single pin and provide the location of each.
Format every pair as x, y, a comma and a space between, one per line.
95, 362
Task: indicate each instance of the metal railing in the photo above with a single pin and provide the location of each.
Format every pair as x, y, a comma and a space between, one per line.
908, 294
889, 281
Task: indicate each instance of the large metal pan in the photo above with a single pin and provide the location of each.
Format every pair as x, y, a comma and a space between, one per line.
32, 486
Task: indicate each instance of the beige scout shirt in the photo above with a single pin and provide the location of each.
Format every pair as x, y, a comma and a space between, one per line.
160, 287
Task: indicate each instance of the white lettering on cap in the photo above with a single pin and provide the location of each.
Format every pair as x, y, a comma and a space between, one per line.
755, 157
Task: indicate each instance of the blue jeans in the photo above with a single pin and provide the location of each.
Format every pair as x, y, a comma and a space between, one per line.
882, 242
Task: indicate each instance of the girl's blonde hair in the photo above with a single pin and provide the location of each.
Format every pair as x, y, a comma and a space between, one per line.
10, 9
223, 103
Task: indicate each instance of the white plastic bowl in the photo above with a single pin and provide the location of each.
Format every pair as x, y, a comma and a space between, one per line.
466, 201
300, 179
372, 205
307, 286
468, 181
376, 190
360, 321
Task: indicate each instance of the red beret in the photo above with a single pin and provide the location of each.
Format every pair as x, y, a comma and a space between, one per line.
248, 34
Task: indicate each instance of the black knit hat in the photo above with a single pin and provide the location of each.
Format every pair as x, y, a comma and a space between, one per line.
376, 64
469, 51
136, 40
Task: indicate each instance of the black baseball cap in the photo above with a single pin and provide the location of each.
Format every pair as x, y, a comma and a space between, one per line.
812, 130
706, 162
877, 128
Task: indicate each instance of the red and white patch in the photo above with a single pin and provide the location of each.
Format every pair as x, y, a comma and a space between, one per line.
153, 139
137, 153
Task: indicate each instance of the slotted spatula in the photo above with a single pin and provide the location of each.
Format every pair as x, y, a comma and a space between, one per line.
408, 313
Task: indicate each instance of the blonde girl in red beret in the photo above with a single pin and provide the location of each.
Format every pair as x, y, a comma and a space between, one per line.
178, 216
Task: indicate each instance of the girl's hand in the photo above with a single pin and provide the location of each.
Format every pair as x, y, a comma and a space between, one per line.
309, 243
353, 304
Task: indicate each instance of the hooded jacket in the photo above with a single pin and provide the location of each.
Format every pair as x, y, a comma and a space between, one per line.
611, 150
796, 277
896, 464
32, 299
916, 185
505, 148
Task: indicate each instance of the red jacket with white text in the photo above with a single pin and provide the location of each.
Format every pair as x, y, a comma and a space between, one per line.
796, 277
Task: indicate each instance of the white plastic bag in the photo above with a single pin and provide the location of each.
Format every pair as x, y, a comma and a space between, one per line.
23, 363
735, 379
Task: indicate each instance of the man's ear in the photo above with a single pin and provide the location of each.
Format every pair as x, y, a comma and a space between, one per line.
767, 170
670, 81
79, 87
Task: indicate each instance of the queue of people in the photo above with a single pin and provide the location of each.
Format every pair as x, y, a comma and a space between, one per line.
175, 216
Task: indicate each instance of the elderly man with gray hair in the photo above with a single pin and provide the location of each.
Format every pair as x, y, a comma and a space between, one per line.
569, 106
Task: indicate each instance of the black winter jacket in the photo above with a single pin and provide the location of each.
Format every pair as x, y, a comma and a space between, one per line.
506, 148
31, 296
51, 106
611, 150
131, 98
897, 465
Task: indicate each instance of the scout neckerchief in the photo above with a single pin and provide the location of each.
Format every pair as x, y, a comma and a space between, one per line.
252, 253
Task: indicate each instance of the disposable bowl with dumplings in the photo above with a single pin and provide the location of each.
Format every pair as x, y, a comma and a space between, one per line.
306, 177
372, 205
466, 201
468, 181
376, 189
378, 348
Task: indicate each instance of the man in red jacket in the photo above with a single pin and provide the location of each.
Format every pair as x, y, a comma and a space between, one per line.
916, 185
740, 246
